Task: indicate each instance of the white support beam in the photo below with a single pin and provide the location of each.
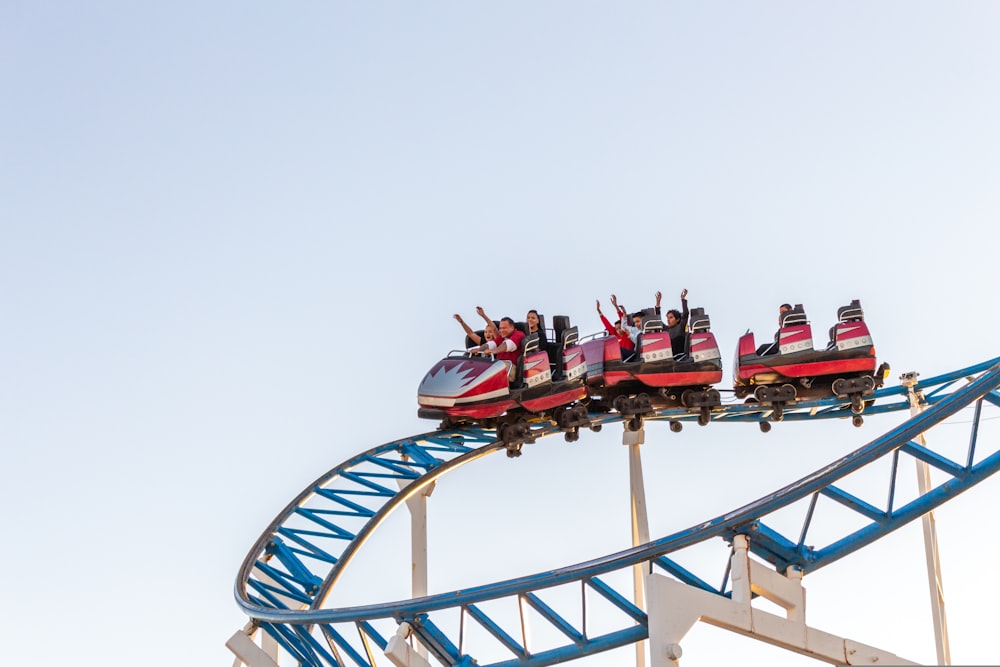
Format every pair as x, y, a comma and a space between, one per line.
247, 652
399, 651
417, 505
674, 608
932, 556
640, 524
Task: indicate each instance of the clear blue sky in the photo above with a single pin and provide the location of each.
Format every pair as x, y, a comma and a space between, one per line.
232, 237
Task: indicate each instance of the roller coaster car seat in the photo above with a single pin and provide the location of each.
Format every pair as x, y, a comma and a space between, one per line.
531, 344
699, 320
559, 324
796, 315
851, 312
651, 323
699, 323
567, 337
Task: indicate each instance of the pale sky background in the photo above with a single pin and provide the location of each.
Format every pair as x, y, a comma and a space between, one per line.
232, 236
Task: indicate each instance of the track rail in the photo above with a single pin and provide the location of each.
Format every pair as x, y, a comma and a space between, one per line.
292, 568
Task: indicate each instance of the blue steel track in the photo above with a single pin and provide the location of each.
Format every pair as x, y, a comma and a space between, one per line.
292, 568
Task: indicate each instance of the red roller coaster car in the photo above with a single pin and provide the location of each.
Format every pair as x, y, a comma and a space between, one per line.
655, 375
791, 367
481, 390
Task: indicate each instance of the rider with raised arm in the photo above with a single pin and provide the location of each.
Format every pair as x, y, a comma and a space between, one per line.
489, 333
625, 344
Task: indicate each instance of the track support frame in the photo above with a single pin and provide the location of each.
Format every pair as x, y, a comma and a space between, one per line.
675, 607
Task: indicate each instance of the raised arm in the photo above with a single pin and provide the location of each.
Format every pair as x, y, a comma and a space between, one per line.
618, 308
473, 336
607, 325
482, 313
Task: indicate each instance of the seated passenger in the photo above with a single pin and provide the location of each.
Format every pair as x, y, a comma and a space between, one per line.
773, 347
507, 347
676, 322
534, 326
625, 344
489, 333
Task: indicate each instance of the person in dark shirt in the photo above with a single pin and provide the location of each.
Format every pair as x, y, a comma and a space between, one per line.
534, 326
676, 322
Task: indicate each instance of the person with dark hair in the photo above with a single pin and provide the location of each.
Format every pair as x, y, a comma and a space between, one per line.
533, 322
676, 322
774, 347
507, 347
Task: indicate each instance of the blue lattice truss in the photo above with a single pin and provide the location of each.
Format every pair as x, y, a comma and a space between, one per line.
299, 558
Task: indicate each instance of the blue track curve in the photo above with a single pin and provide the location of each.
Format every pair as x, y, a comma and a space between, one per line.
294, 565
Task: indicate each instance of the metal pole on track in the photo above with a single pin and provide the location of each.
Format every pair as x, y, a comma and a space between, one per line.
418, 546
640, 524
934, 580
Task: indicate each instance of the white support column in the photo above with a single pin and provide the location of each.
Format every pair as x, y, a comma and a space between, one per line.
399, 651
931, 554
640, 523
417, 505
674, 608
248, 653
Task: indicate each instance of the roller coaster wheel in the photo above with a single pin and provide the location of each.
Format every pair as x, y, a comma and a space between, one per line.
741, 392
686, 398
704, 416
572, 436
620, 404
633, 423
596, 428
765, 427
676, 426
857, 420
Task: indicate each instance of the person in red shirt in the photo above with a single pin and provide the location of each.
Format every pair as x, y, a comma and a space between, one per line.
625, 343
508, 346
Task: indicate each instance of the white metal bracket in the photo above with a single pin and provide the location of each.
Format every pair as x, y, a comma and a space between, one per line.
674, 607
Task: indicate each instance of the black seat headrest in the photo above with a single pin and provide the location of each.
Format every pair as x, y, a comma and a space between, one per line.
851, 312
699, 320
651, 323
531, 343
796, 315
569, 336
